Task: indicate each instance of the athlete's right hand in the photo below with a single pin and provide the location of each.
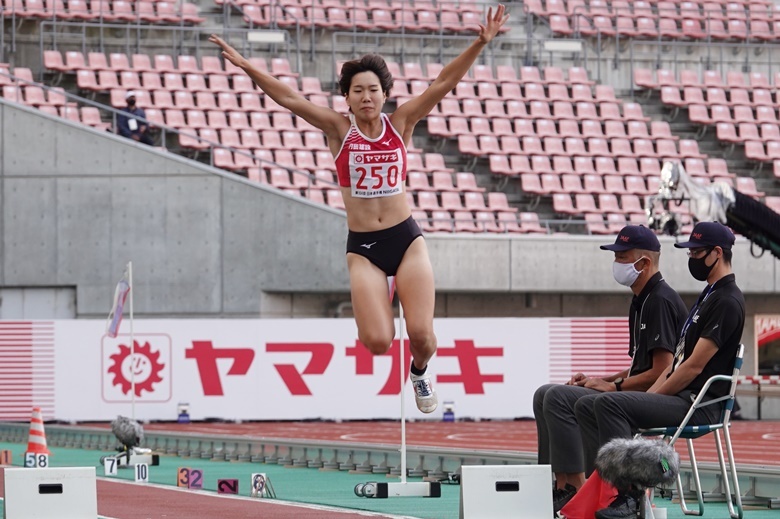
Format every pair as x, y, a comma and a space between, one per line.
229, 53
578, 379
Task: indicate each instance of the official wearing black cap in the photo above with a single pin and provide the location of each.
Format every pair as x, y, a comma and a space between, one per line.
707, 346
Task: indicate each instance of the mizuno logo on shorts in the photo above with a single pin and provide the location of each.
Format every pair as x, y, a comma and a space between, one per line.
368, 245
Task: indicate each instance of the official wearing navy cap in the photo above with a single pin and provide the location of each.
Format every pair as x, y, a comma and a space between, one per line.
634, 237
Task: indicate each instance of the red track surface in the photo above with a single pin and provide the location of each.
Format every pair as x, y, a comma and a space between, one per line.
755, 443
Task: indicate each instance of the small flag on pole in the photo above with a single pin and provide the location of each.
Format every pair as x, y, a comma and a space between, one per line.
120, 295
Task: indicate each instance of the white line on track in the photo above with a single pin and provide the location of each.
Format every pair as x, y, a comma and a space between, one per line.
279, 502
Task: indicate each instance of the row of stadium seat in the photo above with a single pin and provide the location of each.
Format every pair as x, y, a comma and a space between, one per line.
362, 19
160, 63
647, 78
153, 12
726, 9
514, 165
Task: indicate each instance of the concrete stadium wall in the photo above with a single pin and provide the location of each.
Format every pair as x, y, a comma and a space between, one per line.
78, 204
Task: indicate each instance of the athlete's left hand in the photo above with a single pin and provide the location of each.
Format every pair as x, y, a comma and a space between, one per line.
493, 24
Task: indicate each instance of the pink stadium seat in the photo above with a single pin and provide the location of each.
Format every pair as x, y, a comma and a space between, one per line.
441, 221
649, 166
554, 146
451, 201
747, 186
614, 129
503, 127
627, 166
551, 183
615, 222
499, 165
608, 203
562, 204
598, 147
442, 181
667, 77
510, 145
622, 147
593, 184
633, 112
532, 146
465, 181
568, 128
634, 184
695, 167
529, 222
631, 204
519, 164
472, 201
594, 224
583, 165
183, 100
643, 77
531, 183
562, 166
585, 203
605, 166
571, 183
581, 93
486, 222
142, 63
586, 110
86, 80
497, 202
592, 128
250, 139
541, 165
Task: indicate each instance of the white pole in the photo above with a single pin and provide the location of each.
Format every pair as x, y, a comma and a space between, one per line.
403, 386
132, 340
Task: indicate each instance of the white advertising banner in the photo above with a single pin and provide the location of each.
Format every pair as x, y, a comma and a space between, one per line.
289, 369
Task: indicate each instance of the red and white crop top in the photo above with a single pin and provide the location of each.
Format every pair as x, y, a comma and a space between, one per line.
372, 167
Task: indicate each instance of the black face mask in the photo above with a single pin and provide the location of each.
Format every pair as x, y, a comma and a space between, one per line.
131, 102
699, 269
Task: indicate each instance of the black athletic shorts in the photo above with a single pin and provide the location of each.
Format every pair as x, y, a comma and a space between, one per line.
385, 248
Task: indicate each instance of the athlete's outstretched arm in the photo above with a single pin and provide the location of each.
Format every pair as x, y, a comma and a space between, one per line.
410, 113
332, 123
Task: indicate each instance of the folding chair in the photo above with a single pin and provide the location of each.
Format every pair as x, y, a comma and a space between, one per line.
691, 432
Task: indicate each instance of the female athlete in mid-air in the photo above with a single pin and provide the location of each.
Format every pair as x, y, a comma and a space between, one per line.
370, 152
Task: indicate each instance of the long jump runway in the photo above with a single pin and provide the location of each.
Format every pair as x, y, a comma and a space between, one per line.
329, 494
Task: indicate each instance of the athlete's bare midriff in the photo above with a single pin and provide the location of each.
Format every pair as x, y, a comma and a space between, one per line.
374, 214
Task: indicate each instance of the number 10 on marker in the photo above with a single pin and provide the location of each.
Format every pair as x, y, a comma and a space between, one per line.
142, 473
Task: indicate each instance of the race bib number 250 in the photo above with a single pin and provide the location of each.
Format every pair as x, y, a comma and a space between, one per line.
375, 173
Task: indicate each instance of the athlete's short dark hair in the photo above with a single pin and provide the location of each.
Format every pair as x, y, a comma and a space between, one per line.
368, 63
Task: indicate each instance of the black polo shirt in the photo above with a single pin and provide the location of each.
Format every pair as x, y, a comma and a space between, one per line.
718, 315
655, 320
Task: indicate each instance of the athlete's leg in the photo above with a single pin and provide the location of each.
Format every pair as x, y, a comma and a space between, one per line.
371, 304
414, 283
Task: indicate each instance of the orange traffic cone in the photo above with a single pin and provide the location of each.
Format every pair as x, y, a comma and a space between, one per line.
37, 439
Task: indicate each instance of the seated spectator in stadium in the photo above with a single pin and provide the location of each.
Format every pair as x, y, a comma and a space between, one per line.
707, 346
655, 318
129, 125
369, 150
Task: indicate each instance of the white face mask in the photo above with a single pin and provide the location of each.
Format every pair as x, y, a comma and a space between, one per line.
625, 273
